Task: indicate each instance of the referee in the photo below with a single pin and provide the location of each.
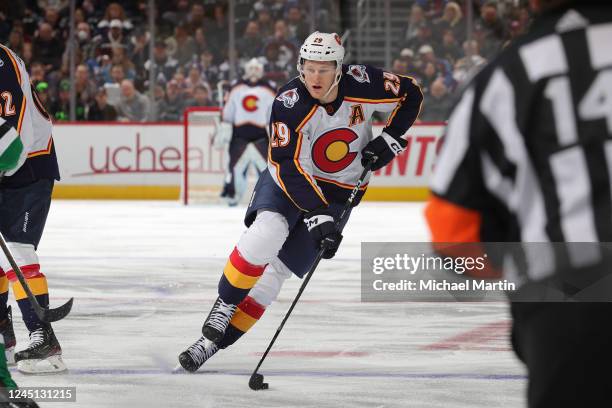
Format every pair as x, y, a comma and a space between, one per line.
527, 158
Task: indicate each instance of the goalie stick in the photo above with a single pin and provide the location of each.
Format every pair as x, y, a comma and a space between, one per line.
44, 314
256, 380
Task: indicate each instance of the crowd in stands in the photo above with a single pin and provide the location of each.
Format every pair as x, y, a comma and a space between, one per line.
191, 57
440, 52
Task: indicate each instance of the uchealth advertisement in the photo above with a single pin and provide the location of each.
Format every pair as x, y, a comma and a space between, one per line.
144, 161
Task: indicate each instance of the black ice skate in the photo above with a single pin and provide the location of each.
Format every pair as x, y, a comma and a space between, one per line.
43, 354
217, 320
7, 332
197, 354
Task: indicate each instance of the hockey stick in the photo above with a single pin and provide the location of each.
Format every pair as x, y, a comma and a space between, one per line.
44, 314
256, 380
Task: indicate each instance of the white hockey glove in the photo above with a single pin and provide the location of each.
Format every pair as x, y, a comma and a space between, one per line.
222, 135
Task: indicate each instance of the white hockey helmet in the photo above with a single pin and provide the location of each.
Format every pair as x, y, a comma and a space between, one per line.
253, 70
322, 47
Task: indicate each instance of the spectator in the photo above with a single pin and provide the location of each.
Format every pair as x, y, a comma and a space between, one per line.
178, 15
114, 12
470, 63
265, 22
60, 107
47, 48
194, 79
452, 19
171, 108
217, 29
415, 22
133, 106
202, 44
15, 41
298, 27
437, 103
42, 91
37, 73
138, 51
275, 70
86, 43
196, 17
491, 32
250, 45
201, 97
114, 37
400, 67
100, 110
407, 55
443, 67
165, 66
183, 44
450, 50
85, 87
286, 46
119, 57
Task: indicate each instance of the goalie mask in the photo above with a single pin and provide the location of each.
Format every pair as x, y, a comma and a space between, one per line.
322, 47
253, 70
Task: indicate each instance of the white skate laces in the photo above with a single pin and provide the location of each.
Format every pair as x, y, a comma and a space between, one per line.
218, 320
37, 337
202, 350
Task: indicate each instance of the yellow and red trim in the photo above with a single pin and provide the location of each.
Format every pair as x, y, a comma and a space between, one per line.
365, 100
343, 185
247, 314
240, 273
43, 152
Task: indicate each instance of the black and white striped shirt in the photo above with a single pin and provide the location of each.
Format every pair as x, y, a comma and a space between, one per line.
528, 152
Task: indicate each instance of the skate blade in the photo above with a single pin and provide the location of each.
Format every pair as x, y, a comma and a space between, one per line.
10, 356
179, 370
49, 365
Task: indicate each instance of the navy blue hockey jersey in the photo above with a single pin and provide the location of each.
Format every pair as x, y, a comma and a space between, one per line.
315, 150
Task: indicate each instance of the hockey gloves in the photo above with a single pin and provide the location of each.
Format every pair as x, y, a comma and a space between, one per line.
322, 228
382, 150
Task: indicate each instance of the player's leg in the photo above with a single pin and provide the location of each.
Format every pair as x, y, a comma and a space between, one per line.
296, 257
23, 213
269, 217
6, 324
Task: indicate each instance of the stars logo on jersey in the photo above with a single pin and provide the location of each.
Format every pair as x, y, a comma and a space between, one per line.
289, 98
359, 73
249, 103
331, 152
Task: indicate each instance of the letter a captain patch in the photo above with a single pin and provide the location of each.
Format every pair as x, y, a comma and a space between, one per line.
357, 115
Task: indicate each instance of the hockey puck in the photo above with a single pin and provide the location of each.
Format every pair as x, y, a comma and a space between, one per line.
256, 382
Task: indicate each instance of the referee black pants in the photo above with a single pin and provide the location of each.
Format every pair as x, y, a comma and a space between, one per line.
567, 348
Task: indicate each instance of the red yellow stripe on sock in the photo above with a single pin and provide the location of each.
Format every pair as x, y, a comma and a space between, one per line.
241, 274
35, 279
4, 282
247, 314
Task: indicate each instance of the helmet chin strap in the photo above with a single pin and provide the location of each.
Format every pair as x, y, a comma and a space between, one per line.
335, 83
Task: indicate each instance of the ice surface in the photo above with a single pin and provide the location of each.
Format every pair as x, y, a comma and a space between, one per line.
144, 274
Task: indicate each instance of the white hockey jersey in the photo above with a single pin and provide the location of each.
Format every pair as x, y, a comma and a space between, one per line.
315, 149
249, 104
21, 108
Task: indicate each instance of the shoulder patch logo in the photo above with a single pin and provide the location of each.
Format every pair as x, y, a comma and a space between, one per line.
359, 73
1, 63
288, 98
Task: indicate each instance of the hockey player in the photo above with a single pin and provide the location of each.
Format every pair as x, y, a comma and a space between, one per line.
320, 138
526, 159
245, 115
25, 197
11, 153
